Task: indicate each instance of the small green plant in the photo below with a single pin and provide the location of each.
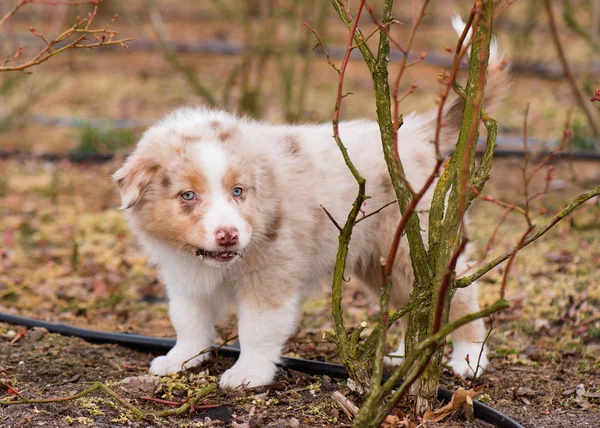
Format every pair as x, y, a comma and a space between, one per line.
104, 140
581, 137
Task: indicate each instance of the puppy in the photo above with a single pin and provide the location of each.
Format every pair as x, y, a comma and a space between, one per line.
229, 210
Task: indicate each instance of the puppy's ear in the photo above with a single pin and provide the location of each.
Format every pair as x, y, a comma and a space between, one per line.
133, 179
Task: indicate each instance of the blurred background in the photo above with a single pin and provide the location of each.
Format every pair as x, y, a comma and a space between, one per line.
256, 58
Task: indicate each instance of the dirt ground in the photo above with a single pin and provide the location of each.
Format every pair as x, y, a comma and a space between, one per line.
67, 256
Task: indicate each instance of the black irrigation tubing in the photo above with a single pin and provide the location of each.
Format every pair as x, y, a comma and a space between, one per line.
97, 158
508, 146
550, 70
163, 345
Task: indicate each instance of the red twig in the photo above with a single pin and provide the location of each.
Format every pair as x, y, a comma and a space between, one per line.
445, 285
366, 216
490, 242
460, 52
76, 33
22, 3
383, 27
405, 52
331, 63
402, 223
332, 218
342, 71
524, 167
166, 402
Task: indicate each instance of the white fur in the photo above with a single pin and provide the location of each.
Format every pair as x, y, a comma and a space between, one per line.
222, 212
458, 363
495, 55
262, 334
291, 243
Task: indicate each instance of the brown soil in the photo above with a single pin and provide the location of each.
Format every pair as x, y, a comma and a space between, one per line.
69, 258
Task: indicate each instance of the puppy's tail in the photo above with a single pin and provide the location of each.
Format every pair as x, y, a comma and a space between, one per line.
497, 86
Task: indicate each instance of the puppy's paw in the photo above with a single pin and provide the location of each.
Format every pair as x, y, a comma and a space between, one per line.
459, 365
248, 375
174, 363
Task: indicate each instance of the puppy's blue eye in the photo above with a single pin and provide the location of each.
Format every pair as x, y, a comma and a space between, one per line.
188, 196
237, 191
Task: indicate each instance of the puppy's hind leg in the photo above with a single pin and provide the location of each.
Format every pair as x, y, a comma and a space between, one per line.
370, 274
395, 358
467, 340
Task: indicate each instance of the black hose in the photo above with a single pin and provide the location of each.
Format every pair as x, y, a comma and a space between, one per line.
163, 345
507, 145
549, 70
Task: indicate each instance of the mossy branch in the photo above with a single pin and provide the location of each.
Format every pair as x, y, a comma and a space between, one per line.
96, 386
378, 67
423, 353
348, 352
99, 386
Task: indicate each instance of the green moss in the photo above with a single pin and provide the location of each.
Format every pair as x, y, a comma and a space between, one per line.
122, 419
484, 398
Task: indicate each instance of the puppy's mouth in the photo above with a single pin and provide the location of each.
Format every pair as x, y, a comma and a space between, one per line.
218, 256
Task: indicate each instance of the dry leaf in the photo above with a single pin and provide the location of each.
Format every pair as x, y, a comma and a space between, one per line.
140, 385
399, 420
462, 400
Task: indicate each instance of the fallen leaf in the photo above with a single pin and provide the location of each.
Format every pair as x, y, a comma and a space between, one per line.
462, 400
73, 379
399, 420
140, 385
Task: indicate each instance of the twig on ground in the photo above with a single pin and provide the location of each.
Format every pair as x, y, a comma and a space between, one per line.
99, 386
347, 406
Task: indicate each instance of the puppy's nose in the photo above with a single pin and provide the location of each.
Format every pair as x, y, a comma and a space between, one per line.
227, 236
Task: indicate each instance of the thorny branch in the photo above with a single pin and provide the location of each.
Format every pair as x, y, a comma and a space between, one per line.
22, 3
73, 38
525, 211
346, 232
579, 200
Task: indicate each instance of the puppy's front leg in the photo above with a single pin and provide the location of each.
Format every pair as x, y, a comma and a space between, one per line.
193, 320
263, 330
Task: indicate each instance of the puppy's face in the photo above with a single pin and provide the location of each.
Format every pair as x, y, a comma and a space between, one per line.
194, 196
